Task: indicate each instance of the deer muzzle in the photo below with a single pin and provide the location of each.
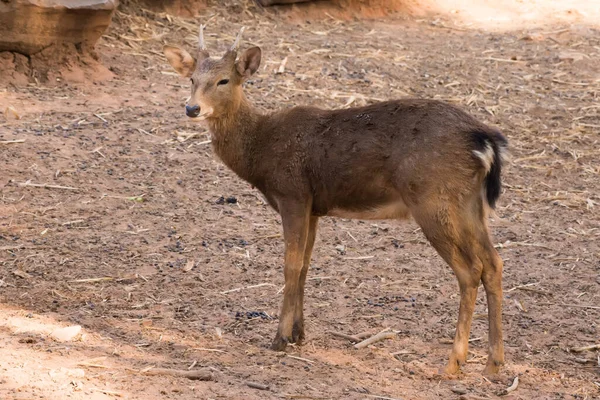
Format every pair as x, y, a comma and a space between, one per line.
192, 111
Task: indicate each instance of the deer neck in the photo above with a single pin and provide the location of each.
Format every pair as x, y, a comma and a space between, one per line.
232, 137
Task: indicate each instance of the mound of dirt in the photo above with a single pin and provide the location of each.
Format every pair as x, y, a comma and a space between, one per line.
348, 9
49, 40
70, 62
15, 68
57, 63
305, 9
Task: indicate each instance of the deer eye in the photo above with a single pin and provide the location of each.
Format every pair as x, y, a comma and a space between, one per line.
193, 82
223, 82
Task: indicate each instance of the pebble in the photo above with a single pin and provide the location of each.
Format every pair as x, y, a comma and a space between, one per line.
66, 334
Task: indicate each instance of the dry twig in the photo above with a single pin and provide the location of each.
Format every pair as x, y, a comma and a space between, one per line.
247, 287
511, 388
385, 334
196, 375
380, 397
108, 392
12, 141
258, 386
46, 186
586, 348
301, 359
351, 338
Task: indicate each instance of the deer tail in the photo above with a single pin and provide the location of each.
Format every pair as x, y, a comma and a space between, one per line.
490, 148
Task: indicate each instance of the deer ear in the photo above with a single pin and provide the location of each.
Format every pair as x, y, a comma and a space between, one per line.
249, 62
181, 60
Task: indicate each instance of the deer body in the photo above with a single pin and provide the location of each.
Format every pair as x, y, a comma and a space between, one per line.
364, 163
389, 160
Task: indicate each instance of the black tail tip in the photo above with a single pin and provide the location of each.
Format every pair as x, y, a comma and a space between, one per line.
493, 181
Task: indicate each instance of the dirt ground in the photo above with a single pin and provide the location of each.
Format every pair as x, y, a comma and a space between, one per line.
139, 239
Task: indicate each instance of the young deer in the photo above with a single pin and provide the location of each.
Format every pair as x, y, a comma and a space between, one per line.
388, 160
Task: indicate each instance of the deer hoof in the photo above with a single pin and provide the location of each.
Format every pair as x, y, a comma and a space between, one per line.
279, 344
298, 334
452, 368
492, 368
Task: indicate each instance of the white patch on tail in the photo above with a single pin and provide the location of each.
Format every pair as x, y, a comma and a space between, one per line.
504, 154
486, 156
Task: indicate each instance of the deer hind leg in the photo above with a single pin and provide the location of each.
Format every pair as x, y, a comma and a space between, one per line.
298, 328
492, 282
295, 220
450, 233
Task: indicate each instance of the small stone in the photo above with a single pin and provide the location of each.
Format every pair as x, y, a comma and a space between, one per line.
189, 265
66, 334
459, 390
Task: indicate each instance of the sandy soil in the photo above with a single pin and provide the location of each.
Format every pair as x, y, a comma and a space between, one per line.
134, 243
518, 14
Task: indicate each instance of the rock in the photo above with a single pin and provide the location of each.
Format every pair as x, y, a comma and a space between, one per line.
459, 390
66, 334
341, 249
29, 26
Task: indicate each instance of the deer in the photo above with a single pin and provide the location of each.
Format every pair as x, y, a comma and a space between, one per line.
395, 159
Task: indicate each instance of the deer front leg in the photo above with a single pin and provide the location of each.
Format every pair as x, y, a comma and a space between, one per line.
295, 219
298, 328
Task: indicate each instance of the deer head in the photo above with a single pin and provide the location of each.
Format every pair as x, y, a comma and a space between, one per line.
216, 82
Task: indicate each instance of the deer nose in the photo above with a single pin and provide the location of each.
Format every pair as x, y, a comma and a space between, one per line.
192, 111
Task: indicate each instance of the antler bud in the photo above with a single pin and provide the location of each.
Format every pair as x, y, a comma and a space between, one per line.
201, 44
236, 45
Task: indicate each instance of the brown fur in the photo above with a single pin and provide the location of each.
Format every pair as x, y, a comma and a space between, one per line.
391, 159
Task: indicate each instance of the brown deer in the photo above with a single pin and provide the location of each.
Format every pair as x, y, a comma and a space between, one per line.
388, 160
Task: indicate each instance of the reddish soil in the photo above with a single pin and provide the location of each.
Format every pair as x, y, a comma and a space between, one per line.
64, 62
182, 279
349, 9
